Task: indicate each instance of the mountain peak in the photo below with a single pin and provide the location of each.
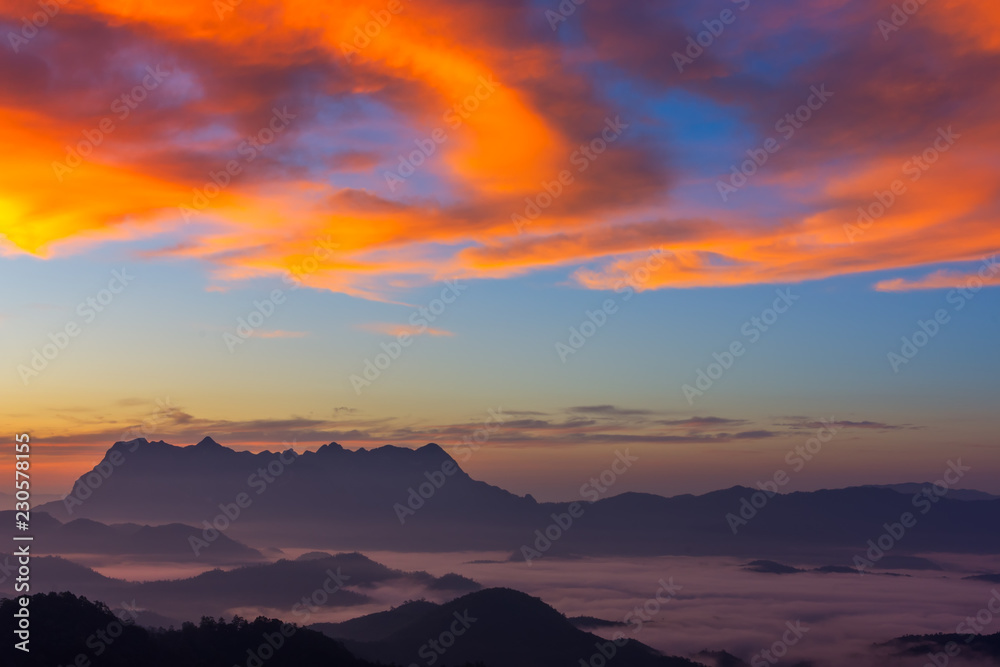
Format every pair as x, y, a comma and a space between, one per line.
131, 443
207, 443
433, 449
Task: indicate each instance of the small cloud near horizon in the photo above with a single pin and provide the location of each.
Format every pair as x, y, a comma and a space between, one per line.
279, 333
396, 329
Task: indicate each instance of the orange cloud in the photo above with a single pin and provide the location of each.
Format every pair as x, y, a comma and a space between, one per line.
390, 329
498, 122
987, 276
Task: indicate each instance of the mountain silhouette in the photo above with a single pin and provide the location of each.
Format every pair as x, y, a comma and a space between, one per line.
282, 585
592, 623
394, 498
499, 627
910, 488
720, 659
64, 627
380, 625
343, 498
972, 647
511, 630
771, 567
376, 627
167, 542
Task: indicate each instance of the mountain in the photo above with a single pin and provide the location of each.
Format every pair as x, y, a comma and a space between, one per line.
297, 588
592, 623
376, 627
500, 627
55, 573
70, 630
380, 625
983, 649
885, 563
910, 488
7, 500
339, 498
770, 567
401, 499
814, 526
720, 659
168, 542
505, 628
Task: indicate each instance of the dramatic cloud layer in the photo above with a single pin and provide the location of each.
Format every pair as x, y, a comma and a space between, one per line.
367, 147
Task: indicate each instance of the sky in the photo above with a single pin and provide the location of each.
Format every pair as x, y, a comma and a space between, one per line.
535, 233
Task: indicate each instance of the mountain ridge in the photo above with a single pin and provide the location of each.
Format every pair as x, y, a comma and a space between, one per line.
405, 499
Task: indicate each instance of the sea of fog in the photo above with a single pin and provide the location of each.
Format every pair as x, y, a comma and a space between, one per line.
711, 603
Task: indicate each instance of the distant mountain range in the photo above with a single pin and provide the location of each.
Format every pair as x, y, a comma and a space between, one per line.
299, 587
910, 488
167, 542
7, 500
974, 648
402, 499
885, 563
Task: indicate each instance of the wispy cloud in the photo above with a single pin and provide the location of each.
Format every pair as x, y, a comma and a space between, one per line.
391, 329
279, 333
802, 423
941, 280
700, 422
608, 410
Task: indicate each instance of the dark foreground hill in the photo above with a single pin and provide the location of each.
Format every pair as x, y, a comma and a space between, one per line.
376, 627
380, 625
67, 630
500, 627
